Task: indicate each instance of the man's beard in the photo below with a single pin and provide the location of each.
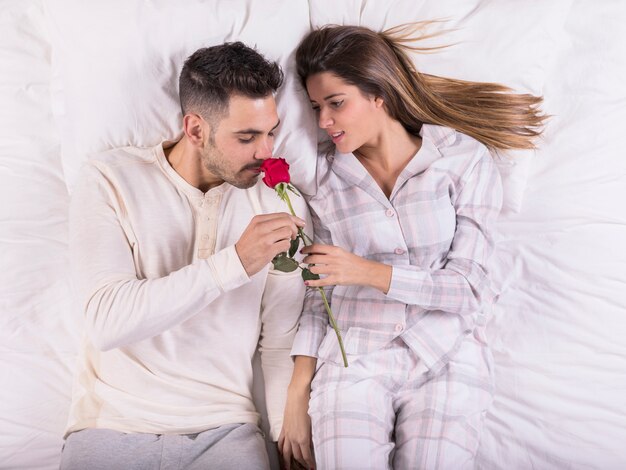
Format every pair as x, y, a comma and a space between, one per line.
215, 162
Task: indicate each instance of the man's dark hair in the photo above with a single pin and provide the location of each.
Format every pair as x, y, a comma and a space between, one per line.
212, 74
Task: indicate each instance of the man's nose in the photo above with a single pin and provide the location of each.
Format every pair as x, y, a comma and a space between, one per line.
264, 151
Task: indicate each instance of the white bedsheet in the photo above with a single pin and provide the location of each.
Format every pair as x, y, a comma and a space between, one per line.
37, 331
560, 324
559, 328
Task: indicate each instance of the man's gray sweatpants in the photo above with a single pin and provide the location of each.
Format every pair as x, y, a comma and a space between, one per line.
233, 446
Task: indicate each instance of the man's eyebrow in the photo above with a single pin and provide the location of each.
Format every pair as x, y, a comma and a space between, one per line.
256, 131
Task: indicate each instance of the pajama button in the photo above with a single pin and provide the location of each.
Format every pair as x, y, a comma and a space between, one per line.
389, 213
399, 251
399, 328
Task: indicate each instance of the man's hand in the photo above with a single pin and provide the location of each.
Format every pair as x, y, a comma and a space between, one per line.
265, 236
339, 267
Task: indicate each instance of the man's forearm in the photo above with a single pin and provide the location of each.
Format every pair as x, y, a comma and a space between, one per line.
128, 311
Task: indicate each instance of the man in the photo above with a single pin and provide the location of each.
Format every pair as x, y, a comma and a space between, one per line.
170, 252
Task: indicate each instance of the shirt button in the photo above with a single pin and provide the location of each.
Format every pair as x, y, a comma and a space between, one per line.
389, 213
399, 328
398, 251
330, 158
205, 237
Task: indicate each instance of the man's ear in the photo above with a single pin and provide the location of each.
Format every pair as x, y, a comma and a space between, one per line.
195, 127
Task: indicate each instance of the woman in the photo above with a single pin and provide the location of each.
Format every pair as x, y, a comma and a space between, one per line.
403, 214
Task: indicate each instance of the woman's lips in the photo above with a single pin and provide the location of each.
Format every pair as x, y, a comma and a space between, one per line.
337, 136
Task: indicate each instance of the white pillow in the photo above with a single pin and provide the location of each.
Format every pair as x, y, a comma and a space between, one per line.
504, 41
116, 67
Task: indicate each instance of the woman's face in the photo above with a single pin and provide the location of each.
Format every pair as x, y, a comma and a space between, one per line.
351, 119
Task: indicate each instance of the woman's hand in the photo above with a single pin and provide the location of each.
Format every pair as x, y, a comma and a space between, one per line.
342, 268
295, 437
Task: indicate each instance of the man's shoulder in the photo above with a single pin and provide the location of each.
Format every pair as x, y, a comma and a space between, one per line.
122, 162
123, 156
119, 169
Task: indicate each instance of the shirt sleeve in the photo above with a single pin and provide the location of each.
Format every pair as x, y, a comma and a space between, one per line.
462, 285
281, 307
119, 308
314, 319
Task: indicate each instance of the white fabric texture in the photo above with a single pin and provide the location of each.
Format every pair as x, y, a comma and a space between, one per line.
560, 323
559, 326
38, 333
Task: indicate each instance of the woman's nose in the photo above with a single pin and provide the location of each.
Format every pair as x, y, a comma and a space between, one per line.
324, 119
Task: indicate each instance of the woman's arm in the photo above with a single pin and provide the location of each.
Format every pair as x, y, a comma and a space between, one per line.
295, 437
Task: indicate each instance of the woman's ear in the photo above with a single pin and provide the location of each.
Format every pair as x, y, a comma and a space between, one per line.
194, 128
379, 102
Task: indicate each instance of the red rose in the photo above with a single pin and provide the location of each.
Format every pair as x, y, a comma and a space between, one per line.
276, 171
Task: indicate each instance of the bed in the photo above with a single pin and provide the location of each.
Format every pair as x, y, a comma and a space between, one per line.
80, 77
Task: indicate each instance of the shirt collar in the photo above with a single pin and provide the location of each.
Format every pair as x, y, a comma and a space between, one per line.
434, 140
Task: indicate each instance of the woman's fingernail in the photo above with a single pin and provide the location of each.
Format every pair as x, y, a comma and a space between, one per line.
306, 283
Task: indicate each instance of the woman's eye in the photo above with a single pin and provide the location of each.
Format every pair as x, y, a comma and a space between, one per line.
316, 108
336, 104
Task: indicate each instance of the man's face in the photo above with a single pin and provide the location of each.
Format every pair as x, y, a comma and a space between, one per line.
242, 140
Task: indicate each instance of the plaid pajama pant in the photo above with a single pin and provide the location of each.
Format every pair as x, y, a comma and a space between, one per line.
384, 410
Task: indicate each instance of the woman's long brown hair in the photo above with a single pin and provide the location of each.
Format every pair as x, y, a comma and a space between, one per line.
378, 64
